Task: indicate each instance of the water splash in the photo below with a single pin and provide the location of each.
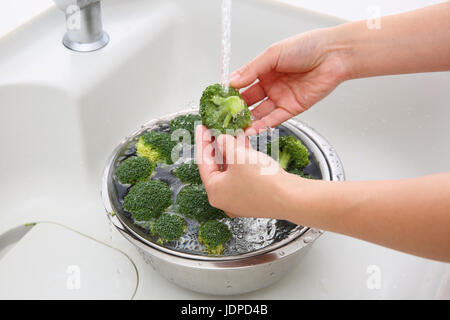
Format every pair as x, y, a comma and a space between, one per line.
226, 44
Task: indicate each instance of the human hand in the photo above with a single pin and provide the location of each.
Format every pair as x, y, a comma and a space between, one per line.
250, 184
293, 75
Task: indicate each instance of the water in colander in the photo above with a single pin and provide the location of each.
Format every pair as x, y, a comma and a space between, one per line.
249, 234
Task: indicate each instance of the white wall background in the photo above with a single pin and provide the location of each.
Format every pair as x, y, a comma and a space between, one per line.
359, 9
14, 13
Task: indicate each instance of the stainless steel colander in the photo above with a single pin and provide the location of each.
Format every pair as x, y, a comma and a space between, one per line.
232, 273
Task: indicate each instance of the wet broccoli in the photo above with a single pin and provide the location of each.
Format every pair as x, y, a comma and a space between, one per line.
193, 202
222, 110
147, 200
168, 227
213, 235
188, 173
292, 154
186, 122
155, 146
134, 169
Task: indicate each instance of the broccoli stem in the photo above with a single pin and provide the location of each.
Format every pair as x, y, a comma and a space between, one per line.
284, 159
234, 104
231, 107
227, 120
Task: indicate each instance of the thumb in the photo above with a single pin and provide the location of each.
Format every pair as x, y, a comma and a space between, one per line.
262, 64
226, 145
207, 165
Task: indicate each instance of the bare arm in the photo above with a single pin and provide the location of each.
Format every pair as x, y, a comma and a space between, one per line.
411, 42
291, 76
410, 215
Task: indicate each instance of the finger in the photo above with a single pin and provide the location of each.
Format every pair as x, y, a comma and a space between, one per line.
227, 145
250, 131
242, 140
262, 110
262, 64
259, 126
277, 117
207, 165
253, 94
273, 119
231, 215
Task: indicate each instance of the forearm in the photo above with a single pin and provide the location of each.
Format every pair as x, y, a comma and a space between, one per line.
416, 41
408, 215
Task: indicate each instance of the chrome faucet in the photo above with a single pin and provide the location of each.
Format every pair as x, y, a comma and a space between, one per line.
84, 25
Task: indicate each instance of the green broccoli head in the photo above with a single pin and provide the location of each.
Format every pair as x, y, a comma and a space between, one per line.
147, 200
186, 122
292, 153
168, 227
213, 235
134, 169
192, 201
188, 173
155, 146
222, 110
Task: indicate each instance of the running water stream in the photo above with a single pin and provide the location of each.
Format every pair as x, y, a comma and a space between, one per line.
226, 44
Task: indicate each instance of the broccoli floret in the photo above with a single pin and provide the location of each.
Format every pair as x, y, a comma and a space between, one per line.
186, 122
147, 200
155, 146
188, 173
292, 153
213, 235
168, 227
134, 169
301, 174
224, 110
193, 202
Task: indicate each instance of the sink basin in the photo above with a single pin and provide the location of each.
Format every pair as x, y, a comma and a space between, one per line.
63, 112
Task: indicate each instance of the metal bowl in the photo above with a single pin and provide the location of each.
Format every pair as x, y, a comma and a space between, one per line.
232, 274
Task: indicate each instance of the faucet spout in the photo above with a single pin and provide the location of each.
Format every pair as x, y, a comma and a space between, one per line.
84, 25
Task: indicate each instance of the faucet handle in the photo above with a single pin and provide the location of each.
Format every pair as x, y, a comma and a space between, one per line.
84, 25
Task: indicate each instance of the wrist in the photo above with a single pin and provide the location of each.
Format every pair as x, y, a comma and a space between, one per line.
355, 48
339, 47
316, 203
295, 198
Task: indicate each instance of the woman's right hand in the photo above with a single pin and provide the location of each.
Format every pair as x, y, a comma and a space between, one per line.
293, 75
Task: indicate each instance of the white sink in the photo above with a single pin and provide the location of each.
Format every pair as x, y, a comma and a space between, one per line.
62, 113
